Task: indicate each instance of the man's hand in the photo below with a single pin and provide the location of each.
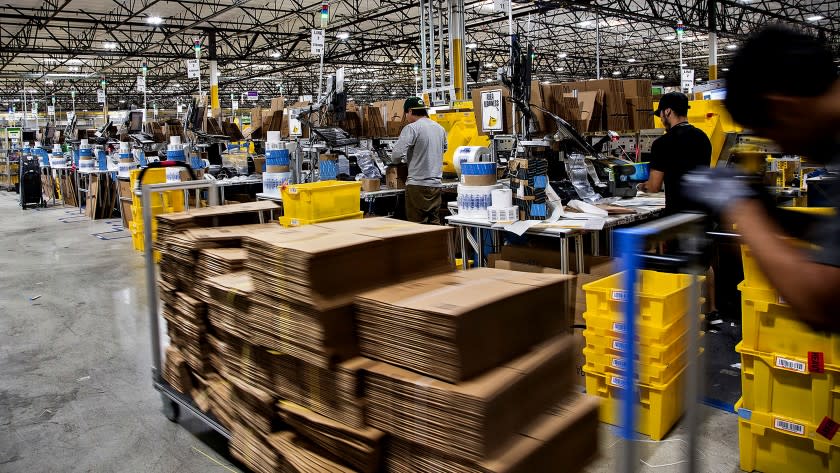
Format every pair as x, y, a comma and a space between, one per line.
716, 188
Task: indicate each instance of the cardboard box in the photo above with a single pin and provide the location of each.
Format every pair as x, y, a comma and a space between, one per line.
567, 433
458, 325
396, 176
549, 257
637, 88
259, 165
473, 420
371, 185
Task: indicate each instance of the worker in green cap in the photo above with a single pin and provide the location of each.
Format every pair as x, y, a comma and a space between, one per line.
422, 143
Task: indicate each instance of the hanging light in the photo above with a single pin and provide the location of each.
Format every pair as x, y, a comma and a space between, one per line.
680, 28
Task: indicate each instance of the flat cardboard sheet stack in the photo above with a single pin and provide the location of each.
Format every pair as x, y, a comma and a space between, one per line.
254, 406
360, 448
562, 435
175, 370
189, 323
474, 419
220, 400
249, 448
219, 216
215, 261
455, 326
300, 456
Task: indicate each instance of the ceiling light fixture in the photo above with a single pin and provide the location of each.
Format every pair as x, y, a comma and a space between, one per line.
813, 18
398, 60
560, 69
616, 73
275, 54
154, 20
562, 55
109, 45
631, 60
586, 23
731, 47
342, 35
683, 65
471, 45
73, 68
725, 69
670, 37
660, 76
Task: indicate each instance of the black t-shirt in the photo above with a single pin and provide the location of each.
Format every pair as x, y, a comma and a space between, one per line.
682, 149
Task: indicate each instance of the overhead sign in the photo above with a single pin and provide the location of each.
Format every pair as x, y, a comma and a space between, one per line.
100, 96
13, 133
491, 111
500, 5
317, 42
180, 108
141, 84
235, 105
687, 81
50, 109
252, 96
193, 69
295, 127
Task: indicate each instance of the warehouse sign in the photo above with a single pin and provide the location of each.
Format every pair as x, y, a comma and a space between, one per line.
235, 105
295, 127
252, 96
51, 110
687, 80
100, 96
317, 42
491, 111
141, 84
193, 68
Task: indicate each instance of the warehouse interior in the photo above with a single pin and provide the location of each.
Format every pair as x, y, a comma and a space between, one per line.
388, 236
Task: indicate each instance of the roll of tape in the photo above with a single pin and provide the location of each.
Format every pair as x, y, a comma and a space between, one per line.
502, 198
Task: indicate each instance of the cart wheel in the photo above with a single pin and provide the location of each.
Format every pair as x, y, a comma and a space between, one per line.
171, 409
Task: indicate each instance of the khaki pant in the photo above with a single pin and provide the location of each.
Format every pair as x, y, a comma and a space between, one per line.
422, 204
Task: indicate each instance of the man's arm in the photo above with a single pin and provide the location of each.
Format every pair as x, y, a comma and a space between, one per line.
810, 288
406, 140
654, 182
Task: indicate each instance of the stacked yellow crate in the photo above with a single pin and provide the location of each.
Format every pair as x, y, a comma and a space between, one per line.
163, 202
790, 378
662, 329
319, 202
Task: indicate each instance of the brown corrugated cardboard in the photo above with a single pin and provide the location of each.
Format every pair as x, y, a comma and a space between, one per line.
476, 419
549, 257
457, 325
396, 176
637, 88
371, 185
484, 180
525, 268
566, 435
360, 448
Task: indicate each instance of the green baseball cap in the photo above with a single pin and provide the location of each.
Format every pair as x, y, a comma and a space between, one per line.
413, 103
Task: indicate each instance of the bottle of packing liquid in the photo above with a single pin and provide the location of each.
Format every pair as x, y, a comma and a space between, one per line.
277, 163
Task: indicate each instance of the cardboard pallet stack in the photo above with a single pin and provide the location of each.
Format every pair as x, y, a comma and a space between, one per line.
461, 371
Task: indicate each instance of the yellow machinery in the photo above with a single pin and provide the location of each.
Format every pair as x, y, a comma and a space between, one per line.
711, 117
461, 130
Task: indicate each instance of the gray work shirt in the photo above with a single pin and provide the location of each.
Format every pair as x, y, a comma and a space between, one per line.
423, 144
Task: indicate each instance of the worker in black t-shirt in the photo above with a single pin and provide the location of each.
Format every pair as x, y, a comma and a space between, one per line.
681, 149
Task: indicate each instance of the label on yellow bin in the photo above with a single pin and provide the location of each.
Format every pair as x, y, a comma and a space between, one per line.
791, 365
788, 426
618, 295
617, 381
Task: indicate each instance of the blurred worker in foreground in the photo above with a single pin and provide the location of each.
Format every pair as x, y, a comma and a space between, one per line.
783, 85
681, 149
423, 143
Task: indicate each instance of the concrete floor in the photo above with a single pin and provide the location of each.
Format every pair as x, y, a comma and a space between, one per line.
75, 383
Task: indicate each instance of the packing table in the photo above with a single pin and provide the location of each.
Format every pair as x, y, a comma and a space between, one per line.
646, 208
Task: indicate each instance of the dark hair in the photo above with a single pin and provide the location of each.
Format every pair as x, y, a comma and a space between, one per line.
419, 112
776, 60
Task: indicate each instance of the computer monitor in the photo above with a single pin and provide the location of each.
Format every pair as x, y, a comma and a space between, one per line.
135, 122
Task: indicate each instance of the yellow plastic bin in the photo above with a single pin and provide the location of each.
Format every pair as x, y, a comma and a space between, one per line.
782, 385
607, 344
646, 373
645, 333
770, 326
297, 222
321, 200
659, 405
662, 297
772, 444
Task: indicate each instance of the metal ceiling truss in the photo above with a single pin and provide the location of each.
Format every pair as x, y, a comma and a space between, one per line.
53, 46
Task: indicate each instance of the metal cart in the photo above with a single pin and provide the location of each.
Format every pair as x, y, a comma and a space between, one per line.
688, 228
173, 401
